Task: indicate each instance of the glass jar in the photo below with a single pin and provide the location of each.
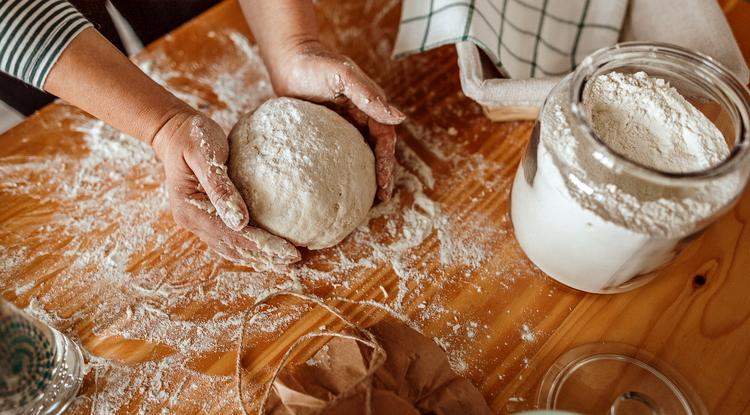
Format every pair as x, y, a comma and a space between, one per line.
40, 368
598, 221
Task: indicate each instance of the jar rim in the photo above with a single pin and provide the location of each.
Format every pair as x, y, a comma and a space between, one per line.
739, 96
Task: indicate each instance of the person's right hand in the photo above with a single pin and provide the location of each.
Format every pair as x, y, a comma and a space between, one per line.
204, 200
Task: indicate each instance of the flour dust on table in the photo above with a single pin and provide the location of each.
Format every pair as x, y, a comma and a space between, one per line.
111, 263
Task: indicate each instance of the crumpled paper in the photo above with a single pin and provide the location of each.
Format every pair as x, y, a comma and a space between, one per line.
386, 369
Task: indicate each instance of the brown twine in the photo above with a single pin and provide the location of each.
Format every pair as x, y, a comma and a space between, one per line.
376, 361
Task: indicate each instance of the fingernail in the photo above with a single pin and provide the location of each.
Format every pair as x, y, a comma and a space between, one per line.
384, 194
232, 214
290, 260
290, 257
233, 217
395, 111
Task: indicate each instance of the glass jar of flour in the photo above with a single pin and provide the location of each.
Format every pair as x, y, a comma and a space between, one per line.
634, 154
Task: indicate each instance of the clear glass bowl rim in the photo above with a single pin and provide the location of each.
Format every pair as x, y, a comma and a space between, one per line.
571, 360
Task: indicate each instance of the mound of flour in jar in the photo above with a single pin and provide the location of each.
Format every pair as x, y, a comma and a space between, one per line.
598, 228
648, 121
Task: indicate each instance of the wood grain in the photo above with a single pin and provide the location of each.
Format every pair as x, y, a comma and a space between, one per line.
701, 330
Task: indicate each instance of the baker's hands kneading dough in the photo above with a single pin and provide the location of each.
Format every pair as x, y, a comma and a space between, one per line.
194, 150
93, 75
310, 71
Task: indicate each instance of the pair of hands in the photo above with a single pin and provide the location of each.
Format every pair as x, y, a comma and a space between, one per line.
194, 150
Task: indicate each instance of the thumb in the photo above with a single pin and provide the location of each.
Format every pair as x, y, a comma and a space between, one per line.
222, 193
211, 173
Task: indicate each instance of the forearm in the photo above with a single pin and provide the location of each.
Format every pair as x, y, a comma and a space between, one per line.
280, 27
94, 76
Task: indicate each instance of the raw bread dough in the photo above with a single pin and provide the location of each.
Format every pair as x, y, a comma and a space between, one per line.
306, 173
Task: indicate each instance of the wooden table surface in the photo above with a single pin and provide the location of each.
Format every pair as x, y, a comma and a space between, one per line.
500, 319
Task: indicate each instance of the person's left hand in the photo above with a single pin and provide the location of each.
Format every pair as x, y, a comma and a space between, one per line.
310, 71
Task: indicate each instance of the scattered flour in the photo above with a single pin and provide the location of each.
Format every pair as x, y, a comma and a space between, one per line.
110, 261
527, 334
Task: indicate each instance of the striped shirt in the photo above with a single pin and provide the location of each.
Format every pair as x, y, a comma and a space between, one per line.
33, 35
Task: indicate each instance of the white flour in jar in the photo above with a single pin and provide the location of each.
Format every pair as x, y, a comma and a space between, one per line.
595, 229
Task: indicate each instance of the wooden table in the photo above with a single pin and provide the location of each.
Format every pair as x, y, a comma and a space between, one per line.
70, 201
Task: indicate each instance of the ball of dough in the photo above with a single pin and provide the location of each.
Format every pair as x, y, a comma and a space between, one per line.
306, 173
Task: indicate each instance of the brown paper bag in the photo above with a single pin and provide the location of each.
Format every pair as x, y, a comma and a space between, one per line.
387, 369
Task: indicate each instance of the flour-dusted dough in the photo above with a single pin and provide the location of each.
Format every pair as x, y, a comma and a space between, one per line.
306, 174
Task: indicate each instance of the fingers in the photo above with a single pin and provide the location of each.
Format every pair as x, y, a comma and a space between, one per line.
364, 93
207, 160
384, 138
223, 195
320, 75
385, 156
272, 246
251, 246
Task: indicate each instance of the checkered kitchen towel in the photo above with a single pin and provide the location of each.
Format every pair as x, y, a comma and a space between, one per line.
524, 38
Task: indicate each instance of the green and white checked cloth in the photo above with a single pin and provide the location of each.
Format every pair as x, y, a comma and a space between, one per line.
524, 38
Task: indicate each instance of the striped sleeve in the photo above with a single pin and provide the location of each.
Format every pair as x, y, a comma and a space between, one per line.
33, 35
